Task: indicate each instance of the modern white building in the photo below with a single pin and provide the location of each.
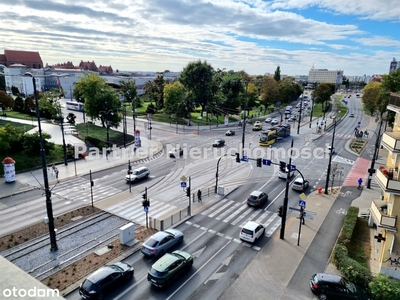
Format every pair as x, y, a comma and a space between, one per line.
325, 75
14, 76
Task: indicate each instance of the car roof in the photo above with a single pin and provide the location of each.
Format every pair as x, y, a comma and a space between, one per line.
329, 277
256, 193
165, 261
102, 273
251, 225
298, 180
141, 168
158, 236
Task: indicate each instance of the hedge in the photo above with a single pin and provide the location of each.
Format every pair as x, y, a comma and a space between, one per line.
348, 226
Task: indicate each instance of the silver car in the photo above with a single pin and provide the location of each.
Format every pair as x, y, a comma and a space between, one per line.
159, 243
300, 185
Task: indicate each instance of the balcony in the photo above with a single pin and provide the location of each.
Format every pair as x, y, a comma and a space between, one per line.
388, 180
391, 141
394, 102
380, 216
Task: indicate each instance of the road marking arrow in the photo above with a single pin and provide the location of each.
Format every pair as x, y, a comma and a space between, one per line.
198, 252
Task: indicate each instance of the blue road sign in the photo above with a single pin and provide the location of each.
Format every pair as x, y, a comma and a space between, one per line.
266, 162
183, 184
302, 203
293, 167
244, 158
146, 209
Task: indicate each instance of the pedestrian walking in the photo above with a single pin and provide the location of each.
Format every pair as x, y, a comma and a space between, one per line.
199, 196
134, 150
53, 168
360, 181
56, 171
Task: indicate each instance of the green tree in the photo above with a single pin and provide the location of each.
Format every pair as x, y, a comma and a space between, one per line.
174, 96
269, 91
29, 105
233, 91
287, 91
155, 91
322, 94
10, 139
49, 105
101, 101
19, 104
277, 75
372, 95
2, 83
14, 90
31, 143
5, 100
129, 90
197, 78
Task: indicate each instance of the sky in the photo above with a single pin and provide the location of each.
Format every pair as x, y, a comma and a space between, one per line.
359, 37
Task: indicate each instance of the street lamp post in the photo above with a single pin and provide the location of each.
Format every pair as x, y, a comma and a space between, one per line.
301, 106
134, 114
312, 109
107, 124
216, 174
49, 207
244, 120
63, 139
330, 158
371, 170
286, 198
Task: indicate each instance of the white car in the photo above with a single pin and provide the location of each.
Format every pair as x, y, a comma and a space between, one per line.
251, 232
137, 174
268, 120
274, 122
300, 185
283, 175
175, 152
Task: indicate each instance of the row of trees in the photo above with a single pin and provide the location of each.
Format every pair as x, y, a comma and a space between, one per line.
376, 94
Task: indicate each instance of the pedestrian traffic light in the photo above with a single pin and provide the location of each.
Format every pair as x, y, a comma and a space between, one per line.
280, 211
148, 203
259, 162
282, 166
188, 191
237, 158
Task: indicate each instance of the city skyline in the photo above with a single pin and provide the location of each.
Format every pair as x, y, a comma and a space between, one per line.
254, 36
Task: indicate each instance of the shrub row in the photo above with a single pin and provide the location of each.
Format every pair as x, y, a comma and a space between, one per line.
379, 287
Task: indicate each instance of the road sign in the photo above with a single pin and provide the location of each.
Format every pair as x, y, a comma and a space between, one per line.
292, 167
146, 209
266, 162
183, 178
244, 158
308, 217
302, 203
310, 213
183, 184
303, 196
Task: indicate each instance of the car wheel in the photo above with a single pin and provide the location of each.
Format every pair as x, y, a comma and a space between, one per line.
322, 297
129, 276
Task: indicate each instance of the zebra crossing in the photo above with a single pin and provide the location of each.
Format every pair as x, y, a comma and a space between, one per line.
340, 136
132, 210
78, 189
236, 213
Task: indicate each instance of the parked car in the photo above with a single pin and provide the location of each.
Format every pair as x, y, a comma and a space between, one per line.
300, 185
257, 198
105, 280
251, 231
169, 267
219, 143
137, 174
274, 122
332, 286
283, 175
230, 133
268, 120
176, 152
159, 243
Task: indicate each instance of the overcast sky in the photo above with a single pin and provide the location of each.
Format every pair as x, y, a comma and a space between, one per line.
359, 37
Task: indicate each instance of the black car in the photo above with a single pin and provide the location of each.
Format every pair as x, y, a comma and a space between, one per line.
105, 280
332, 286
219, 143
230, 133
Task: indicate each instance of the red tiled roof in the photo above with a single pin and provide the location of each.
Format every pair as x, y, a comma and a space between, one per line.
23, 56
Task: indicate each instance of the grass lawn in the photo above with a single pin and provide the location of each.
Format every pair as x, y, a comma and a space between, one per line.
18, 115
100, 133
26, 127
360, 245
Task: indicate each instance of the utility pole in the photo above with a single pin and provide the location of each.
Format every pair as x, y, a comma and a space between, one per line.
330, 158
286, 199
91, 186
188, 194
129, 173
301, 106
244, 119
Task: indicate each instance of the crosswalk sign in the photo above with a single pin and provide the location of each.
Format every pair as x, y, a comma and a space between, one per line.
302, 203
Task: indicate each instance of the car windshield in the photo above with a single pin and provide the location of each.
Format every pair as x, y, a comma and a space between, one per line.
252, 197
151, 242
157, 273
135, 172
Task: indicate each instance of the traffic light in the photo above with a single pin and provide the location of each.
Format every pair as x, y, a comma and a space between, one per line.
282, 166
259, 162
188, 191
144, 196
237, 158
129, 169
280, 211
148, 203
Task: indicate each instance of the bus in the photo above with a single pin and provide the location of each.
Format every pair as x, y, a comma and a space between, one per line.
72, 105
271, 136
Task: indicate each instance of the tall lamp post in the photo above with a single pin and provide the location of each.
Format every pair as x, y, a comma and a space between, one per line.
312, 110
330, 158
107, 125
301, 106
216, 174
49, 207
134, 114
371, 170
63, 139
244, 119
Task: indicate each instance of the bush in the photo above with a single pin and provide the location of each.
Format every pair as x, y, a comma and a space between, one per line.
348, 226
95, 142
382, 288
340, 253
355, 272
